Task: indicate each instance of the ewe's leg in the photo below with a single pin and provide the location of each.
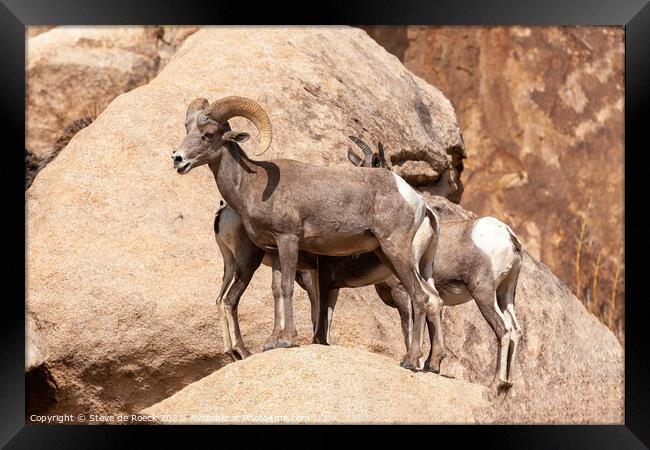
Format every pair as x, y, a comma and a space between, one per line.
401, 260
308, 280
506, 303
328, 298
487, 303
434, 322
394, 295
514, 341
229, 265
242, 280
513, 334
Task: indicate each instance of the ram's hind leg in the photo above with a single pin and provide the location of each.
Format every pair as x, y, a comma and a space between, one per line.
401, 261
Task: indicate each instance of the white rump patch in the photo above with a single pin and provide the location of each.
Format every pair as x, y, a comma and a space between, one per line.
492, 237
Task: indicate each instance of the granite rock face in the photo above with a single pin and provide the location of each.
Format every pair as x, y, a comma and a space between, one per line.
75, 72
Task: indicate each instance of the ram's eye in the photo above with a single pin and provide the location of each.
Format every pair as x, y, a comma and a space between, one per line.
207, 136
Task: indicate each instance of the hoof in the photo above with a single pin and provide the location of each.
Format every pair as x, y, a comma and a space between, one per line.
243, 353
286, 343
408, 364
319, 341
429, 368
502, 385
280, 343
270, 346
233, 355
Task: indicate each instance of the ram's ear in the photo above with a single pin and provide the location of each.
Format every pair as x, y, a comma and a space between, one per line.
235, 136
354, 158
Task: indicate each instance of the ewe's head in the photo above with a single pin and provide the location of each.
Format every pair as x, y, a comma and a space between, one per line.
208, 130
370, 159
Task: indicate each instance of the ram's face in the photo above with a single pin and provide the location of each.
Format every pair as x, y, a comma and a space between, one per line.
204, 138
201, 141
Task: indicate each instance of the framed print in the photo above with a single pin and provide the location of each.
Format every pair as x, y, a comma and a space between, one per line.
380, 215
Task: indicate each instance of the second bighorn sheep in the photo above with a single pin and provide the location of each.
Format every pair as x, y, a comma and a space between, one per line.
287, 206
476, 258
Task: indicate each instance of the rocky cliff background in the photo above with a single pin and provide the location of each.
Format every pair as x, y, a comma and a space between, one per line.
541, 112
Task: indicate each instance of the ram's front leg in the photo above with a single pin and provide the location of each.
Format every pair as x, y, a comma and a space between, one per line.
285, 327
278, 306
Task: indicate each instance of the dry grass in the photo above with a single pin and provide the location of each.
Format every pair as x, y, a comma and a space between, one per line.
578, 255
604, 296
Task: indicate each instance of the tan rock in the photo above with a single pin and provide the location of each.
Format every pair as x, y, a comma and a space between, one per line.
74, 72
319, 384
541, 111
33, 31
122, 266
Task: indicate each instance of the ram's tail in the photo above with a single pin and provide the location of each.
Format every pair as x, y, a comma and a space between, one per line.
428, 257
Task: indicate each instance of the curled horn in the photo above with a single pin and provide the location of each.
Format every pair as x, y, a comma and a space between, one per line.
367, 151
229, 107
381, 152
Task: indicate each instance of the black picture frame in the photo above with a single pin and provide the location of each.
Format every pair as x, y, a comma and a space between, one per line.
15, 15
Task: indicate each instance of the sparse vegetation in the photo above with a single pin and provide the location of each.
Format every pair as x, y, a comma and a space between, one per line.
601, 297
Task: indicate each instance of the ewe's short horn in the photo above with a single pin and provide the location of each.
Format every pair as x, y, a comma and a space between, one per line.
381, 152
229, 107
364, 147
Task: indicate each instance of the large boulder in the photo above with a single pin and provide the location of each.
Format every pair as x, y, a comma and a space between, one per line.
569, 370
541, 111
122, 265
74, 72
319, 384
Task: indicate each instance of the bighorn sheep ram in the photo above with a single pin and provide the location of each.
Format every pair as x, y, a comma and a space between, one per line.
476, 258
287, 206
